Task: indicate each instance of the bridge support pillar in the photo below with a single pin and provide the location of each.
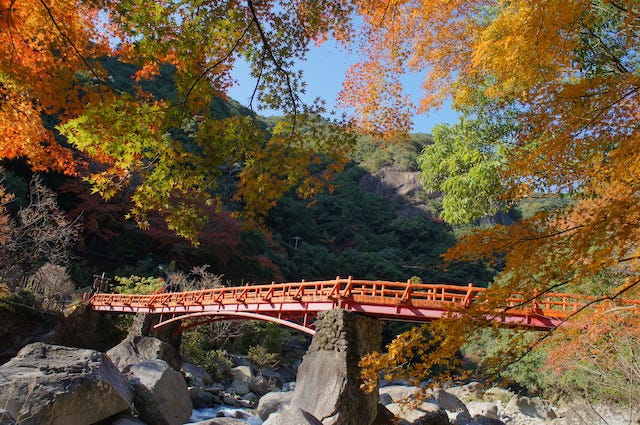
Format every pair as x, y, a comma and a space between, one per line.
328, 383
143, 326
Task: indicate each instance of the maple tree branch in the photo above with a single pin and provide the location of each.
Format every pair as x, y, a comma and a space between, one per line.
255, 88
384, 14
9, 29
71, 43
624, 260
269, 52
624, 9
210, 68
602, 110
551, 331
607, 50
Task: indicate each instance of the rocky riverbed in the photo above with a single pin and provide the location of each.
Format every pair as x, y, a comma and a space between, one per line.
143, 381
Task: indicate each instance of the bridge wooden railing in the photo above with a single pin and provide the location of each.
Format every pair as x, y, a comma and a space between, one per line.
359, 291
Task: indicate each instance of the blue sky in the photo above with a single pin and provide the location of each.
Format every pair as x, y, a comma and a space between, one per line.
324, 73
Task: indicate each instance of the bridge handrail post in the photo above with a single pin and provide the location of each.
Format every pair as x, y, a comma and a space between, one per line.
466, 302
335, 291
347, 289
407, 292
269, 294
300, 292
535, 306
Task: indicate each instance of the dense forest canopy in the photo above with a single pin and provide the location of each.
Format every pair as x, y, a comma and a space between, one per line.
549, 90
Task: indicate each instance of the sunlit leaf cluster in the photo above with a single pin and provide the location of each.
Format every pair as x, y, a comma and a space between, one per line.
122, 139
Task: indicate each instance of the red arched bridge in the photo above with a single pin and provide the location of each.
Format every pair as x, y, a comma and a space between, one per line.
296, 304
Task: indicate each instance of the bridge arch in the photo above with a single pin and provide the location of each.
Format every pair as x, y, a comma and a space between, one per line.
208, 317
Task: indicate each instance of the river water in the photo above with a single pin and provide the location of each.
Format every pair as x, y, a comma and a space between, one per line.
230, 412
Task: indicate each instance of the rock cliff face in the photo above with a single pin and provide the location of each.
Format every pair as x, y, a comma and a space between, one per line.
402, 188
328, 384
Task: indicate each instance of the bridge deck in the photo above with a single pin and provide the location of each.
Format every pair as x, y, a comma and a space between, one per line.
296, 304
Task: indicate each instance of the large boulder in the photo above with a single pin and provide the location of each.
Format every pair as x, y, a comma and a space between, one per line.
138, 348
160, 393
400, 393
292, 415
272, 402
201, 399
449, 401
241, 380
467, 392
328, 384
196, 375
483, 408
56, 385
426, 414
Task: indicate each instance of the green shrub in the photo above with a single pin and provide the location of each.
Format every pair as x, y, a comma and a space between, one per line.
137, 285
260, 357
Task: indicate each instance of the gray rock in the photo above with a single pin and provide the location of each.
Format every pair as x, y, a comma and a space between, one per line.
449, 401
230, 400
272, 402
483, 420
534, 407
466, 392
463, 418
328, 383
139, 348
426, 414
6, 418
160, 393
261, 385
251, 398
486, 409
216, 388
241, 380
246, 404
292, 415
400, 392
201, 399
193, 372
385, 399
51, 384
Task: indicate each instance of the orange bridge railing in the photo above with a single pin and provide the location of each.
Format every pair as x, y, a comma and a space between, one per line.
296, 304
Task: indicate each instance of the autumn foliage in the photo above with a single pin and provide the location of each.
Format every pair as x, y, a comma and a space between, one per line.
569, 70
53, 83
